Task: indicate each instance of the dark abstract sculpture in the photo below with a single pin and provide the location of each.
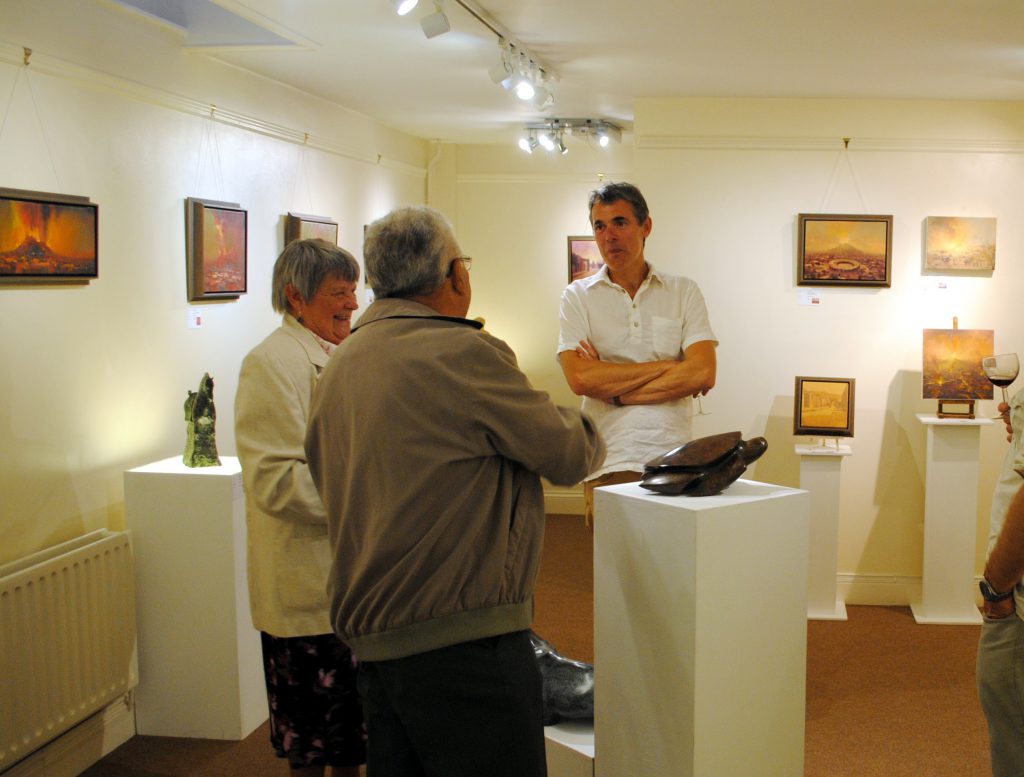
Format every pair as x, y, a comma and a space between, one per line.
703, 467
201, 423
568, 684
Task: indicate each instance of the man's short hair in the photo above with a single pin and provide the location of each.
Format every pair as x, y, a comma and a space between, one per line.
306, 264
615, 191
406, 252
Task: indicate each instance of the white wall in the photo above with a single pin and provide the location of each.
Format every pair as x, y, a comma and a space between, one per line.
93, 377
725, 180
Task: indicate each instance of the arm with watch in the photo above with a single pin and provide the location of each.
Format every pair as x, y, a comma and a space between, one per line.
1005, 565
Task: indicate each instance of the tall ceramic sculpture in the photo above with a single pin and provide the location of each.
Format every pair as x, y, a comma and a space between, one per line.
201, 422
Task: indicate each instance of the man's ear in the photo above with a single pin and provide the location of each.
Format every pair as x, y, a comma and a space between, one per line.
295, 300
460, 276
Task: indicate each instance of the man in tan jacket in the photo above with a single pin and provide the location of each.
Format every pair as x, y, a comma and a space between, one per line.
427, 444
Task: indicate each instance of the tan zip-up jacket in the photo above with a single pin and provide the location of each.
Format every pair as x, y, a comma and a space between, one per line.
427, 445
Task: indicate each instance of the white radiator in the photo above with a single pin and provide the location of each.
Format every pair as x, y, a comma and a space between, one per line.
67, 638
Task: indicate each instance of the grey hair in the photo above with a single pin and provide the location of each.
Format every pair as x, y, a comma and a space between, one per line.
305, 264
615, 191
405, 252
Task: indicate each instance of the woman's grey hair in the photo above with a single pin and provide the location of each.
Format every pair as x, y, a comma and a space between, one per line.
406, 252
305, 264
614, 191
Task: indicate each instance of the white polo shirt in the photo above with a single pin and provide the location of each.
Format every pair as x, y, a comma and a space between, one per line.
665, 317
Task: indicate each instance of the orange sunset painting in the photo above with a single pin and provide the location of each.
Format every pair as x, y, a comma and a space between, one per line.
223, 250
47, 239
837, 250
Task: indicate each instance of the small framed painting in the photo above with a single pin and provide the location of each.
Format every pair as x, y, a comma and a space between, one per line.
215, 248
951, 364
959, 243
301, 226
823, 407
47, 237
844, 250
584, 257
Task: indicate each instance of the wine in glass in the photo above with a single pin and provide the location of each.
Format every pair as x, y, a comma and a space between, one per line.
1002, 370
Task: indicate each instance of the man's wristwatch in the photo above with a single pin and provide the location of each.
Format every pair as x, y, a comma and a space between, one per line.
990, 594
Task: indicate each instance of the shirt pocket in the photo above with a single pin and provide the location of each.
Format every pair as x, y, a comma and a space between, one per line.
667, 337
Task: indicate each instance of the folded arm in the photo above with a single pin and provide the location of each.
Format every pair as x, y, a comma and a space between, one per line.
642, 383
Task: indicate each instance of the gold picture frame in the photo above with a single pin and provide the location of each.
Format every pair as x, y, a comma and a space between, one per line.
844, 250
823, 407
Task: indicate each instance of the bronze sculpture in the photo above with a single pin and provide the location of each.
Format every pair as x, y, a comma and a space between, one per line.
702, 467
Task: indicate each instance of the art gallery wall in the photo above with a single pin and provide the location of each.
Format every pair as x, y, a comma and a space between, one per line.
93, 377
725, 180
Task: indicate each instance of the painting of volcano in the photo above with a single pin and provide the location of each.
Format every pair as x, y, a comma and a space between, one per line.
47, 236
844, 250
215, 242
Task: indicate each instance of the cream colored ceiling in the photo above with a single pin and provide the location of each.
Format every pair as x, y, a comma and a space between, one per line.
605, 54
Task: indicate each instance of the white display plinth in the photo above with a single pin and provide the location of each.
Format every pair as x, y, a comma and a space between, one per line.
570, 748
950, 510
700, 633
200, 665
819, 475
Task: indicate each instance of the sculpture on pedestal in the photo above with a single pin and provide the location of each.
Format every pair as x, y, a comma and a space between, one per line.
201, 422
568, 685
704, 466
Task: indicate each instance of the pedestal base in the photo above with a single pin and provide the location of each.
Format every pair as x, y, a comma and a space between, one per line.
700, 632
570, 748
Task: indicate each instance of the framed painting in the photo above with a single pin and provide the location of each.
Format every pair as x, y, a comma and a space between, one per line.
951, 364
301, 226
215, 247
823, 407
584, 257
48, 237
844, 250
959, 243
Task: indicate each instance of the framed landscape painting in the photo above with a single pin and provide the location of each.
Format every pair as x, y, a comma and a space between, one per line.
959, 243
844, 250
824, 407
584, 257
301, 226
47, 237
215, 246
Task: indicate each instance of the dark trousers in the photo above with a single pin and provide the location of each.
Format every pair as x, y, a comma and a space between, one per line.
469, 710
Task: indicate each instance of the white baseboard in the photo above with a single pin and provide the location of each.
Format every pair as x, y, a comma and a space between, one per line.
76, 750
563, 501
890, 590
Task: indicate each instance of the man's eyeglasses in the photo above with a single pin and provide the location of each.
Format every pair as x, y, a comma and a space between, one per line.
467, 261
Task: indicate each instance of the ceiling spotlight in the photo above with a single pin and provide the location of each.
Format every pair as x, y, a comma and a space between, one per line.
525, 89
602, 138
402, 7
528, 144
543, 98
437, 23
546, 141
562, 149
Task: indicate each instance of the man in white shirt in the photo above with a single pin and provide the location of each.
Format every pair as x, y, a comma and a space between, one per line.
634, 342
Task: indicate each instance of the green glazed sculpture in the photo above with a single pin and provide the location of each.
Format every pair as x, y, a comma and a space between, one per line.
201, 423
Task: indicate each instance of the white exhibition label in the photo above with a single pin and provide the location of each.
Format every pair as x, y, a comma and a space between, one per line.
808, 297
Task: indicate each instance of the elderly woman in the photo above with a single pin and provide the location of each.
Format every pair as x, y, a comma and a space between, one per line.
315, 713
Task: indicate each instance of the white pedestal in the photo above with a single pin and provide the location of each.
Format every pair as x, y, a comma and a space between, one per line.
570, 748
200, 665
700, 634
950, 507
819, 475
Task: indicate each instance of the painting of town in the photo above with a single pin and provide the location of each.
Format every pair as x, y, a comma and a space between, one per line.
47, 236
824, 406
215, 248
584, 257
844, 250
951, 367
300, 226
954, 243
